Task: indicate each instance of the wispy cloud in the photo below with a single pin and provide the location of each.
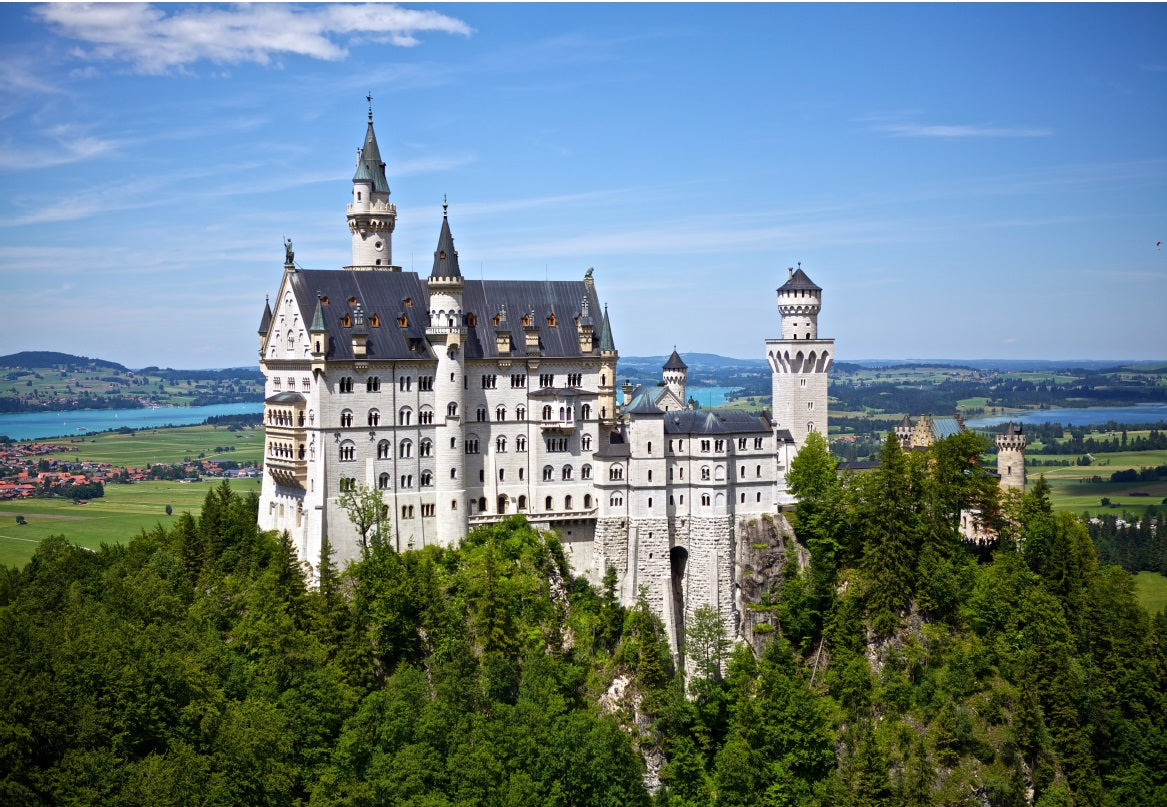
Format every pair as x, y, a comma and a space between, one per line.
60, 145
961, 130
158, 40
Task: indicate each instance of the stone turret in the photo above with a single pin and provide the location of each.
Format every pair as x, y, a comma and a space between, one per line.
447, 335
1011, 457
608, 358
371, 216
676, 373
800, 360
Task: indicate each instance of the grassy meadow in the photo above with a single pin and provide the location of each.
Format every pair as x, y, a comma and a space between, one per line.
167, 445
1151, 591
122, 513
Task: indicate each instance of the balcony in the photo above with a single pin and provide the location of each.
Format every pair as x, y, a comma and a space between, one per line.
287, 471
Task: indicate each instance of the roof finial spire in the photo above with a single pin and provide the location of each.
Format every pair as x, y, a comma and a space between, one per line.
369, 98
444, 205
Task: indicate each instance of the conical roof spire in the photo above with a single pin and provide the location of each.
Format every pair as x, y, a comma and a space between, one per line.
674, 362
369, 164
606, 342
265, 320
445, 256
318, 317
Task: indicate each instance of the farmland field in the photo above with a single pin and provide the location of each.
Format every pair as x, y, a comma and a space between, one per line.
122, 513
171, 445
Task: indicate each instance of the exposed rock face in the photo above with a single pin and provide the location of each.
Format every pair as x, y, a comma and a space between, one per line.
762, 548
623, 701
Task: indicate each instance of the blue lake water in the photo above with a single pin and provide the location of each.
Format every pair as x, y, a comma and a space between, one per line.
40, 425
1143, 413
706, 396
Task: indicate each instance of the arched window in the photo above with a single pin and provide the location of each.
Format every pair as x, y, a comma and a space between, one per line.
548, 473
585, 472
522, 503
405, 449
425, 416
585, 412
547, 411
348, 451
566, 473
704, 472
451, 410
520, 412
649, 474
480, 414
616, 472
427, 479
373, 384
407, 480
521, 443
616, 500
383, 481
547, 504
587, 501
500, 444
719, 474
404, 383
566, 502
585, 443
374, 417
346, 418
383, 449
404, 416
705, 499
500, 413
426, 448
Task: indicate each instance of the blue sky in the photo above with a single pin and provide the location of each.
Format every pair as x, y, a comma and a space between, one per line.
964, 181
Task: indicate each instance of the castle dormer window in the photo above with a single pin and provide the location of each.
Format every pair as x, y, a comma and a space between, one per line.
551, 320
375, 321
346, 321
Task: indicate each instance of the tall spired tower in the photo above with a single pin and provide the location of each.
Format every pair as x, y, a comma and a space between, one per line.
800, 360
371, 216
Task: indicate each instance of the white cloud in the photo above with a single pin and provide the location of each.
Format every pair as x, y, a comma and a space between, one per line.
156, 39
911, 129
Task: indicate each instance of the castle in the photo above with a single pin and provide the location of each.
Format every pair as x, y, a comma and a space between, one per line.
464, 402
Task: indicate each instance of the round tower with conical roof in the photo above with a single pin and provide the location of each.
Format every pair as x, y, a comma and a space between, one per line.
799, 362
371, 216
676, 373
447, 336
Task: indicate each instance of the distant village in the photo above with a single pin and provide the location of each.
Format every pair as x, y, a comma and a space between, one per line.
28, 471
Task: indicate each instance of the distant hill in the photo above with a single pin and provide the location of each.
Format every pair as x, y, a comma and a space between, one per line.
30, 359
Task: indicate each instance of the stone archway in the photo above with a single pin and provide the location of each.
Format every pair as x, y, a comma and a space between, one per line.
678, 563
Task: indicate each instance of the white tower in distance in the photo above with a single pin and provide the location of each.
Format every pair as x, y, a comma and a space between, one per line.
800, 360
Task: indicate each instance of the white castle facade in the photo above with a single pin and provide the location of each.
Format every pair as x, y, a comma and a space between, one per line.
465, 402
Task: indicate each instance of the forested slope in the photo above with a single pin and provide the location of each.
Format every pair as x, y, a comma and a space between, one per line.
194, 666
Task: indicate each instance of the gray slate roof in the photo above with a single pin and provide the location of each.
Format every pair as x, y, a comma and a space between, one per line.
445, 256
716, 421
369, 165
384, 294
606, 342
379, 293
798, 282
675, 363
265, 320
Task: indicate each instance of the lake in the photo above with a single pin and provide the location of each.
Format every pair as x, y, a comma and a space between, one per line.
1143, 413
41, 425
706, 396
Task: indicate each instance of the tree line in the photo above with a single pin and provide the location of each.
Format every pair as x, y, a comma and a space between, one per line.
201, 665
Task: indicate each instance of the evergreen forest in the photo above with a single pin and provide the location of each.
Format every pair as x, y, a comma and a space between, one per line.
905, 667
